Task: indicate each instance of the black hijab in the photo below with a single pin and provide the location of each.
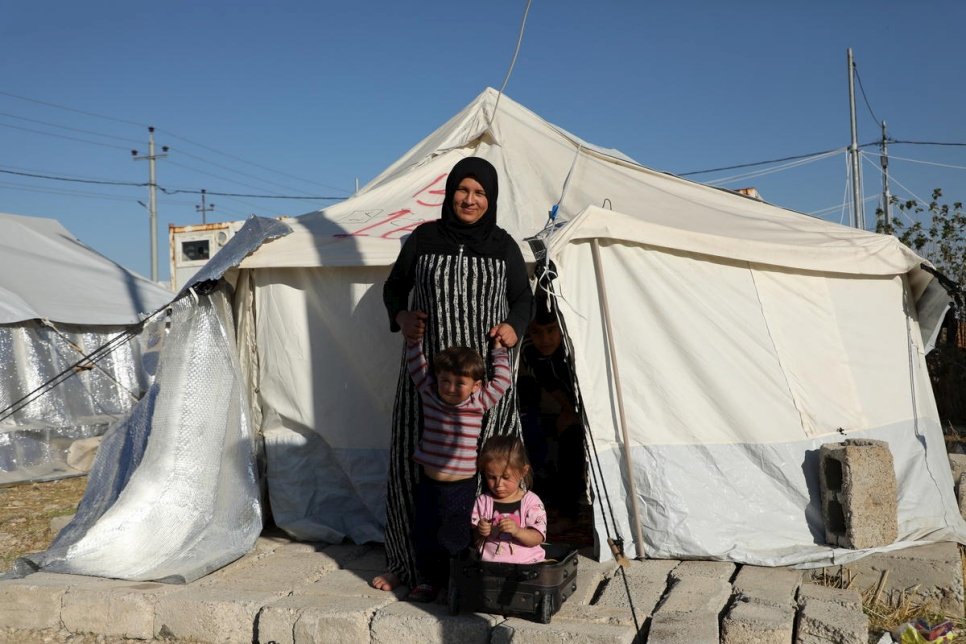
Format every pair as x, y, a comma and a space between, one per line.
482, 236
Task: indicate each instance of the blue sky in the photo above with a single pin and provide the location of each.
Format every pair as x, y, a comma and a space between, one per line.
303, 98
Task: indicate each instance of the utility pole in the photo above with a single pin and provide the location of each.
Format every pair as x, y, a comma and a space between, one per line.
884, 160
202, 208
858, 219
152, 197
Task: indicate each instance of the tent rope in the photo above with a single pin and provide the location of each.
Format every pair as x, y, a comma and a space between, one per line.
546, 273
90, 363
81, 365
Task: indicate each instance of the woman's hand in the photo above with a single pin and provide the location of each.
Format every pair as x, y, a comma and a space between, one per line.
504, 335
412, 324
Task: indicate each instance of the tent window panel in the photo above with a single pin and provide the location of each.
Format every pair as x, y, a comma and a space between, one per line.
806, 328
873, 326
695, 359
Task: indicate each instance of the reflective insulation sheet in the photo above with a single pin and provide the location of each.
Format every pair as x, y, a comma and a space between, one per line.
58, 384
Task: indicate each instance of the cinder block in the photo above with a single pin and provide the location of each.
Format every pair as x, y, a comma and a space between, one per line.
32, 602
750, 622
307, 620
858, 486
846, 597
696, 594
821, 622
647, 581
957, 464
407, 622
123, 609
521, 631
711, 569
684, 628
211, 614
774, 586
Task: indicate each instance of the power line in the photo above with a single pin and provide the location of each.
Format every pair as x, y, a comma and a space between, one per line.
71, 109
167, 190
93, 181
125, 121
757, 163
71, 129
862, 89
237, 158
61, 136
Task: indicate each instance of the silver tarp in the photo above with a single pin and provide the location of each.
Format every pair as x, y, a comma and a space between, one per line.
172, 494
36, 434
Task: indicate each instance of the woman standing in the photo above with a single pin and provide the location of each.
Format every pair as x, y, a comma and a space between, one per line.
458, 281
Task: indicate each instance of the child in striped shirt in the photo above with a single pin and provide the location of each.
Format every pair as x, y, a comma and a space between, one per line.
454, 399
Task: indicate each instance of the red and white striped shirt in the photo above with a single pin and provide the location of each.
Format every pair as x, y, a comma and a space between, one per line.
451, 433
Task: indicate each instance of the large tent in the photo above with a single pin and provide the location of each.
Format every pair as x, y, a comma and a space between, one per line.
61, 300
748, 334
767, 332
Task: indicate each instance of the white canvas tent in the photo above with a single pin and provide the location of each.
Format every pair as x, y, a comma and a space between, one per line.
56, 292
845, 300
748, 335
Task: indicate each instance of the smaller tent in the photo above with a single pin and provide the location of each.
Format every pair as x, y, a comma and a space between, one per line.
59, 301
718, 342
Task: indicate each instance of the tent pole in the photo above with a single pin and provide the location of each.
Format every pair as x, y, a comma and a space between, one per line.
609, 332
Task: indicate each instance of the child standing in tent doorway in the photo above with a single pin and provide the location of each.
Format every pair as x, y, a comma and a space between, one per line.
510, 520
458, 281
454, 399
551, 422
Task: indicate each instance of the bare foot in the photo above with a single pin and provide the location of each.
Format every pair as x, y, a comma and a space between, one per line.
386, 581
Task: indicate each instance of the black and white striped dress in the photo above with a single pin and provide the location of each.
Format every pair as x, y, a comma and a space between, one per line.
463, 297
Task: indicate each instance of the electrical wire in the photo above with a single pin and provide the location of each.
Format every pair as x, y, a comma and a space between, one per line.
62, 136
761, 173
224, 167
71, 129
855, 68
237, 158
172, 191
513, 62
757, 163
71, 109
941, 165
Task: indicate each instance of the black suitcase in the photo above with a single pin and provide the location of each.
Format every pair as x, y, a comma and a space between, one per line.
531, 590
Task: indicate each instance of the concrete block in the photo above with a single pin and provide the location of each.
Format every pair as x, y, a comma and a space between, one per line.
751, 622
597, 614
647, 581
858, 488
406, 622
350, 583
774, 586
821, 622
711, 569
211, 614
521, 631
367, 557
696, 594
31, 602
932, 572
684, 628
284, 569
118, 609
846, 597
305, 620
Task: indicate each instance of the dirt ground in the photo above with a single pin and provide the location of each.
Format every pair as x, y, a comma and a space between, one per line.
25, 513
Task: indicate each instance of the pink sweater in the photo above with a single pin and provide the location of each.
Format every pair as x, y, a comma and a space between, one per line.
451, 433
500, 546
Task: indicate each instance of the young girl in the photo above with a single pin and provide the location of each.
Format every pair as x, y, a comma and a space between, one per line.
510, 521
